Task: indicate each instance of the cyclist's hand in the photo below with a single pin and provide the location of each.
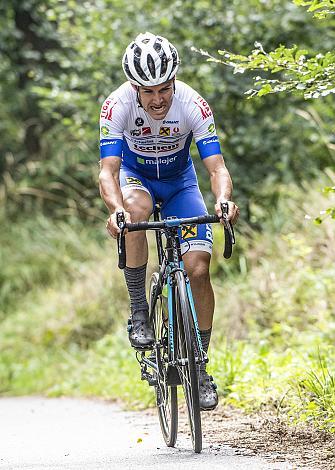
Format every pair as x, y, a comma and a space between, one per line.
111, 224
233, 210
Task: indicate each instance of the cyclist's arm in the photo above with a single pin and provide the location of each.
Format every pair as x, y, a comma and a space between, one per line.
204, 132
112, 123
110, 191
221, 185
109, 184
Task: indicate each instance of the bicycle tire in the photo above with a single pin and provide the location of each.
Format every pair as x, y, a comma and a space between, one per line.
166, 395
188, 369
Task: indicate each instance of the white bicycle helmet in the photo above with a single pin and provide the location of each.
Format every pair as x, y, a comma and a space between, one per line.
150, 60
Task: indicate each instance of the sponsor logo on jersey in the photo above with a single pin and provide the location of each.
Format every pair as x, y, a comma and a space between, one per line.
162, 160
132, 180
146, 130
170, 122
209, 233
202, 245
139, 121
104, 130
153, 161
176, 131
189, 231
204, 107
211, 128
108, 142
135, 132
107, 109
212, 140
156, 148
164, 131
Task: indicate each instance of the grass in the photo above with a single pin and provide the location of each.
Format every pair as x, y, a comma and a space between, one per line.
317, 395
291, 382
64, 309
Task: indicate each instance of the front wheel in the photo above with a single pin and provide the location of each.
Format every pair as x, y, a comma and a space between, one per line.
166, 395
188, 366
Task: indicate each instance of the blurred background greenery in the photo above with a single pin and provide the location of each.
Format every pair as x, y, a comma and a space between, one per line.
63, 306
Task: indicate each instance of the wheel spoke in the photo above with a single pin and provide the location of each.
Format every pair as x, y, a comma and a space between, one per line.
166, 396
188, 369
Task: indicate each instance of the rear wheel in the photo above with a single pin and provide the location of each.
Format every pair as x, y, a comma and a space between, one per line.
166, 395
187, 365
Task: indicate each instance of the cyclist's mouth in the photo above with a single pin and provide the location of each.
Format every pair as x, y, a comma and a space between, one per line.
159, 112
158, 109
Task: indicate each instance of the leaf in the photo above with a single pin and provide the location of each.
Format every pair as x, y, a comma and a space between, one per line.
265, 90
239, 69
329, 189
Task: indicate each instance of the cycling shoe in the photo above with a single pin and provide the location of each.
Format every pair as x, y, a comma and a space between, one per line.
208, 396
140, 332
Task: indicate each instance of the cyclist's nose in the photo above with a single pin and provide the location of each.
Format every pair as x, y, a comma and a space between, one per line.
157, 100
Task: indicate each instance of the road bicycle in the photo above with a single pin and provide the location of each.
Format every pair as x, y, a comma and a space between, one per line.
177, 354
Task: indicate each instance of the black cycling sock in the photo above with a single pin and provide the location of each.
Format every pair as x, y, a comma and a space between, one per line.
135, 280
205, 336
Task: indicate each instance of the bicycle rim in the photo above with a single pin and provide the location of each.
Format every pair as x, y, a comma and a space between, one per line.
166, 395
188, 369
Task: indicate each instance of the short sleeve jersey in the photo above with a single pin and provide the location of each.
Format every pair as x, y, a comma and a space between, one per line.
157, 149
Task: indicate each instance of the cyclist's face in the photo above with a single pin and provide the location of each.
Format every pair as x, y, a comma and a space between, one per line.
156, 100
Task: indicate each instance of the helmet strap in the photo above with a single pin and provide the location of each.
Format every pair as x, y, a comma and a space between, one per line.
138, 97
137, 88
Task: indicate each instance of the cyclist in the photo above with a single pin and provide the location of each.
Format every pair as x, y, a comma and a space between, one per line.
146, 128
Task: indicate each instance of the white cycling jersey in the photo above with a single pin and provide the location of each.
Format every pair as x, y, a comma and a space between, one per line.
158, 149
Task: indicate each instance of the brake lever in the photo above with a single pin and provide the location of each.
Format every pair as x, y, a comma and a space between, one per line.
228, 225
121, 242
229, 231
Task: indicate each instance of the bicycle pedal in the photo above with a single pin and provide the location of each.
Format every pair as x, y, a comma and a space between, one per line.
149, 347
152, 381
152, 357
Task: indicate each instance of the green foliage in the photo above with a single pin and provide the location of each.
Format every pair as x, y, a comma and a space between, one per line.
293, 381
330, 212
40, 252
316, 392
62, 58
321, 9
312, 77
278, 316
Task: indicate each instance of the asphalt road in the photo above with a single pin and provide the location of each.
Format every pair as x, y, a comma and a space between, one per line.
39, 433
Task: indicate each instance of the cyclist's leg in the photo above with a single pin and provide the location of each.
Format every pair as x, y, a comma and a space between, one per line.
185, 200
138, 201
197, 267
197, 263
197, 247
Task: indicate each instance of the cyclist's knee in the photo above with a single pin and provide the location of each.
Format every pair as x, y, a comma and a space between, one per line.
197, 266
139, 204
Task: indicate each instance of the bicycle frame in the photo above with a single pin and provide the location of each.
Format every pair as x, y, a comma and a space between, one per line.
168, 266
